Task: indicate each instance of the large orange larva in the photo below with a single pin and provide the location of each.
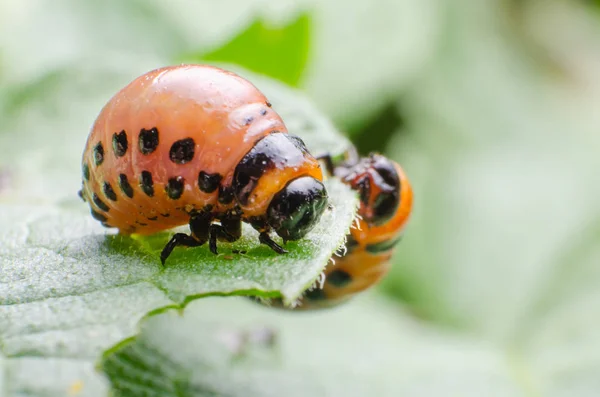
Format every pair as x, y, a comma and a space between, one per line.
197, 144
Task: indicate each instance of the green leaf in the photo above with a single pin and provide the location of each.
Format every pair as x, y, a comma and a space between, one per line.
69, 289
237, 349
278, 52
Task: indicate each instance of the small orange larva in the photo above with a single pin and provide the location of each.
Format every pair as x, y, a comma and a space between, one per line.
386, 199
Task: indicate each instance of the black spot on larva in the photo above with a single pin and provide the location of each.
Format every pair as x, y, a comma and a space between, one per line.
152, 218
208, 183
86, 172
263, 112
141, 223
386, 170
119, 142
99, 203
268, 104
182, 151
98, 153
339, 278
316, 294
351, 244
106, 224
146, 183
174, 188
364, 188
248, 172
385, 206
109, 192
125, 186
225, 194
383, 246
97, 216
276, 150
148, 140
165, 215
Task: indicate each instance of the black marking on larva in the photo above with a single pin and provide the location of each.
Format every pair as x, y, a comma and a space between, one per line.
248, 172
98, 216
268, 104
208, 183
174, 188
146, 183
152, 218
148, 140
388, 180
386, 170
351, 244
226, 194
125, 186
298, 142
86, 172
182, 151
339, 278
81, 196
385, 206
106, 224
364, 188
383, 246
98, 154
119, 142
276, 150
109, 192
248, 120
99, 203
141, 223
263, 112
316, 294
165, 215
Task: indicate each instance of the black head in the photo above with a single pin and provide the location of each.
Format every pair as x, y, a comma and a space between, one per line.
297, 208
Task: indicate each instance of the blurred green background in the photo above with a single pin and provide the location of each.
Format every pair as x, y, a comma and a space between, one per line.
490, 106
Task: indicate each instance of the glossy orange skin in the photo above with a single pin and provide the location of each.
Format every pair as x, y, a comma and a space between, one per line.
364, 268
223, 113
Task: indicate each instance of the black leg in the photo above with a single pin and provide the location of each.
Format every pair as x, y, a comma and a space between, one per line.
199, 225
265, 239
229, 230
181, 239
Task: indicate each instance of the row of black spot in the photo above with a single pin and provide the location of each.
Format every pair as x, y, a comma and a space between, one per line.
181, 151
207, 183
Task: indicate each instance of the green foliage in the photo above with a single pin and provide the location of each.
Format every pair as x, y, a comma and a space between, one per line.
278, 52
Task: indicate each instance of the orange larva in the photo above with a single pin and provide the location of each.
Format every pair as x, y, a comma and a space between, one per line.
200, 145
